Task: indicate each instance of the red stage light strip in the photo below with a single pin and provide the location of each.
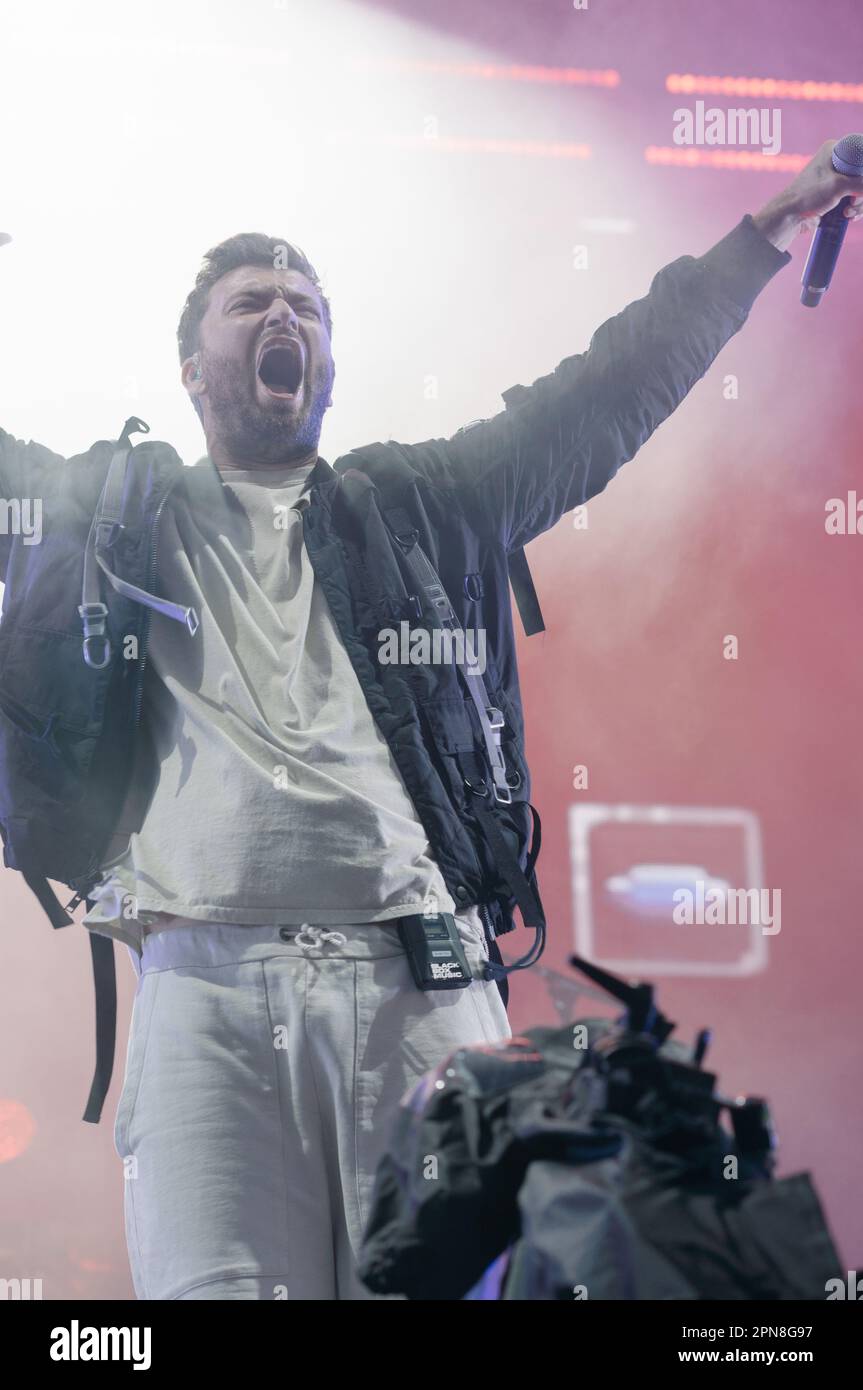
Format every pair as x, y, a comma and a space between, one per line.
539, 149
493, 72
765, 87
724, 159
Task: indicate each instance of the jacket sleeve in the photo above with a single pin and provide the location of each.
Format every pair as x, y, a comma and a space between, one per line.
560, 441
27, 472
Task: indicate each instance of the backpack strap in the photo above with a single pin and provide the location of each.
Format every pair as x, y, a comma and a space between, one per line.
38, 884
106, 522
522, 886
105, 990
524, 592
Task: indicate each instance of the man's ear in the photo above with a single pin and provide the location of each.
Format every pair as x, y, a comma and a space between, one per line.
330, 401
192, 378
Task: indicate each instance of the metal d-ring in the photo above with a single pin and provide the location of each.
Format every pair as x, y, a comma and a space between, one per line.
479, 788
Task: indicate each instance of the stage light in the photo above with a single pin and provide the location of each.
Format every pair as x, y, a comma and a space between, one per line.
495, 72
17, 1128
751, 160
690, 84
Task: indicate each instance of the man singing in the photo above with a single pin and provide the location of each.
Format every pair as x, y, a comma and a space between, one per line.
305, 846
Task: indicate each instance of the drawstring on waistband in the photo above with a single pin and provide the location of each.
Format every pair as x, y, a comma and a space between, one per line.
318, 936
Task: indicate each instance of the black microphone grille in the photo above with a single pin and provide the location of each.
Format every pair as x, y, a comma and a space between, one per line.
848, 155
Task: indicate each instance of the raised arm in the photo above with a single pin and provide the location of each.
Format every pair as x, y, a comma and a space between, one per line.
560, 441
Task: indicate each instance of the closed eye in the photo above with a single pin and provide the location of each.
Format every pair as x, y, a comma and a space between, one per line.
307, 306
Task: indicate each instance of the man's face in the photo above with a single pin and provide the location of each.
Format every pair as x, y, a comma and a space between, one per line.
266, 364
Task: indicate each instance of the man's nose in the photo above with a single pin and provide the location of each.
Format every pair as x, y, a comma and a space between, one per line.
282, 315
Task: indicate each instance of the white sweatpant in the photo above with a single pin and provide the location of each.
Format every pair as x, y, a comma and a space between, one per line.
263, 1074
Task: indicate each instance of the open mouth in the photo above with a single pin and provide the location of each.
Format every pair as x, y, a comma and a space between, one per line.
281, 368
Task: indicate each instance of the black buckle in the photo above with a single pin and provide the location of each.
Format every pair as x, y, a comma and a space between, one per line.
103, 541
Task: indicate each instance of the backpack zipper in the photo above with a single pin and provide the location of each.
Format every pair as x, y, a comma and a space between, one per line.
84, 883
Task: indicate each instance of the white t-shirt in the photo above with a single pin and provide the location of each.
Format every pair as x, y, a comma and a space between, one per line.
263, 790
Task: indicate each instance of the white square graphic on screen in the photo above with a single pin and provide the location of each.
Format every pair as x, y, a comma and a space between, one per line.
649, 882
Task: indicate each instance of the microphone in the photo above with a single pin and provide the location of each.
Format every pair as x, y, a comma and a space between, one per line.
830, 233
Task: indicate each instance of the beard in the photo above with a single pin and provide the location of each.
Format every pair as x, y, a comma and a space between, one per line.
271, 433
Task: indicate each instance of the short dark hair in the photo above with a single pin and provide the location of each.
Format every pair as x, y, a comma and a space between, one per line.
246, 248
